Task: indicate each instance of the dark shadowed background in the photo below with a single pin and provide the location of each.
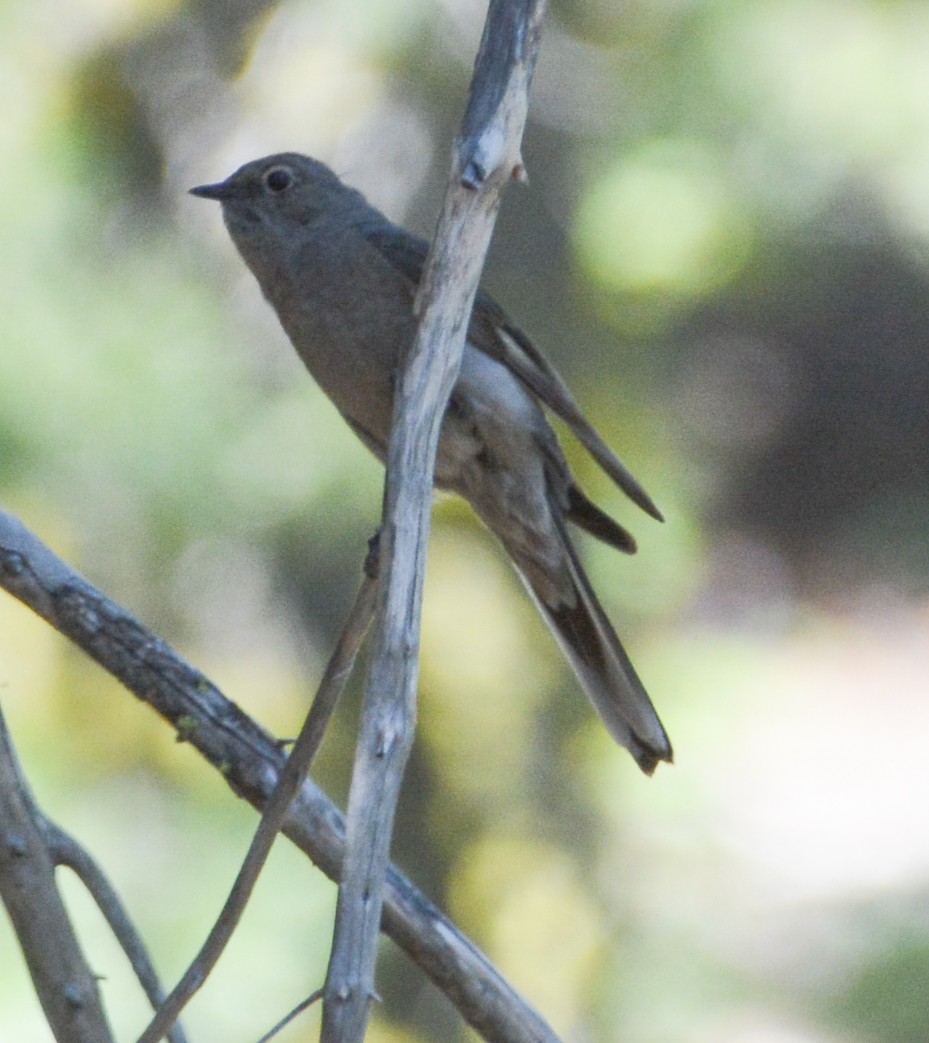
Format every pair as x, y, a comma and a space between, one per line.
724, 246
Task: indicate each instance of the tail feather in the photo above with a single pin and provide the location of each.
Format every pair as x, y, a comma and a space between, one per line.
585, 513
604, 669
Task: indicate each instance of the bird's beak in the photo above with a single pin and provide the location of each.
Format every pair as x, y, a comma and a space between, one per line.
221, 191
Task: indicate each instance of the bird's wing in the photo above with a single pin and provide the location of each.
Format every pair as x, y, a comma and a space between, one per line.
492, 333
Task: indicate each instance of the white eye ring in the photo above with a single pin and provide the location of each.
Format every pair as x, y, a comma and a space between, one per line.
277, 179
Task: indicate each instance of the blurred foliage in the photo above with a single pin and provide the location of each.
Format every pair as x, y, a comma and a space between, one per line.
725, 248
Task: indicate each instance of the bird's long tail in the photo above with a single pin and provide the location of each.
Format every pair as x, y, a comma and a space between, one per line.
608, 677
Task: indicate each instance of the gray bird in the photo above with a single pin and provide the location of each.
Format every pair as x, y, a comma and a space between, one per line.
342, 279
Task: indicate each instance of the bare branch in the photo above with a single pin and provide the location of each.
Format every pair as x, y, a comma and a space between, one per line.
251, 760
486, 158
66, 851
63, 982
272, 818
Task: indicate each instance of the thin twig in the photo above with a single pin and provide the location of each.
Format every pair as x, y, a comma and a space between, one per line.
65, 985
272, 818
250, 760
299, 1009
486, 158
66, 851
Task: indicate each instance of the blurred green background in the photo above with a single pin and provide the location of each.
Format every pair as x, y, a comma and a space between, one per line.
724, 246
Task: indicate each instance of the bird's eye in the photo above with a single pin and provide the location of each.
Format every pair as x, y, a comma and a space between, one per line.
278, 178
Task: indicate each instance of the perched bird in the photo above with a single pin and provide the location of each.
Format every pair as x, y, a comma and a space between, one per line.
342, 279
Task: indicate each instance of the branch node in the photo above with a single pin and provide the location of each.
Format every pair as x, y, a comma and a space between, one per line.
186, 728
74, 996
12, 564
474, 175
372, 563
82, 611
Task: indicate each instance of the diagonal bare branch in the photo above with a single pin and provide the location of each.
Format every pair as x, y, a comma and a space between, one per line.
250, 760
291, 778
